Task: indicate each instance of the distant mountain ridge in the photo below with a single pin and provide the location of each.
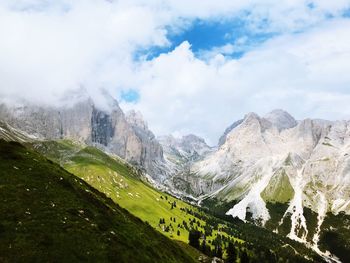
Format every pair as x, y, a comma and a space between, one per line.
84, 121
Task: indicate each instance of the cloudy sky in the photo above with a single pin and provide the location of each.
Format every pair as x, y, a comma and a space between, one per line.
189, 66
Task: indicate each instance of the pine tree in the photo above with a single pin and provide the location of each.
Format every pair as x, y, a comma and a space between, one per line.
193, 238
231, 253
203, 245
244, 257
218, 252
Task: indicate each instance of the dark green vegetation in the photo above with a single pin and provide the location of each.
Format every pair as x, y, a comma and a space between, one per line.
335, 229
277, 211
49, 215
261, 244
335, 235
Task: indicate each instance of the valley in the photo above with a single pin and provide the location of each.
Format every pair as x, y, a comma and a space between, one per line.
242, 192
168, 215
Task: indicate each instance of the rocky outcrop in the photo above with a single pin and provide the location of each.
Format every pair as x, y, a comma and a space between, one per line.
222, 138
180, 154
84, 121
151, 157
281, 119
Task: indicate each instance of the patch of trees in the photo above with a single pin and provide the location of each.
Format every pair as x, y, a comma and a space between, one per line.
193, 238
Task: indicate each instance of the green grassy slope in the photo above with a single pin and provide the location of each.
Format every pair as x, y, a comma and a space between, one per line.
279, 189
49, 215
122, 184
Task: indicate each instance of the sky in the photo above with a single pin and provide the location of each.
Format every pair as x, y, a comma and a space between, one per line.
188, 66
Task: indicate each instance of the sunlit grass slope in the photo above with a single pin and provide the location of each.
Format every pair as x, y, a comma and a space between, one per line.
122, 184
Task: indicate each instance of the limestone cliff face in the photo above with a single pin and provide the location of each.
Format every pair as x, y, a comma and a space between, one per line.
277, 159
151, 153
85, 122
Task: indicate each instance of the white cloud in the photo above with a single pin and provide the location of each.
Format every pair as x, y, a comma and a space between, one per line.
49, 48
90, 43
306, 74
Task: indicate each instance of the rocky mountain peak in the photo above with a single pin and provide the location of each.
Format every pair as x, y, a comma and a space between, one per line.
251, 116
191, 138
223, 137
180, 153
135, 118
281, 119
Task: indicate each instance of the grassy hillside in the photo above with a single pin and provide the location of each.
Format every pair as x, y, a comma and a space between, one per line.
122, 184
49, 215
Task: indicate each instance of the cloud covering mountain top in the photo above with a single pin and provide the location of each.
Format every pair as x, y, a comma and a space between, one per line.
49, 49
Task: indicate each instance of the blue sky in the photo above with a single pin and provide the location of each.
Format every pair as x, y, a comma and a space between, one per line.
204, 35
208, 36
130, 95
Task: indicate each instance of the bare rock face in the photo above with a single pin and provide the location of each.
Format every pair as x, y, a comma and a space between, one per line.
180, 154
276, 159
222, 139
281, 119
151, 153
190, 147
304, 165
84, 121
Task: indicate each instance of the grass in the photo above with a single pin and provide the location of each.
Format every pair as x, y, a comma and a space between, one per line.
279, 189
49, 215
122, 184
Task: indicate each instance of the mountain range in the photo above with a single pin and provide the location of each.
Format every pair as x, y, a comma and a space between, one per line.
289, 176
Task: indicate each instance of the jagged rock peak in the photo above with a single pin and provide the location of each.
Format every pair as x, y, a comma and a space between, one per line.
281, 119
251, 116
186, 141
191, 138
222, 139
135, 118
